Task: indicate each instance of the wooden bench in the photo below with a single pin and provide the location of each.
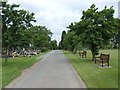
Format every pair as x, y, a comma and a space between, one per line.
83, 54
103, 58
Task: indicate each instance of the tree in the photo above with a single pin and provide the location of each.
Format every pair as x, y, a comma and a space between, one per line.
40, 37
100, 28
115, 40
14, 23
62, 37
70, 41
54, 45
95, 29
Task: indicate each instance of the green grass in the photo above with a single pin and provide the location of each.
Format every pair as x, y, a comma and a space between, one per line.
15, 66
0, 73
91, 74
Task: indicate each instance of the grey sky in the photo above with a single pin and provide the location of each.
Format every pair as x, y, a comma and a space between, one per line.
58, 14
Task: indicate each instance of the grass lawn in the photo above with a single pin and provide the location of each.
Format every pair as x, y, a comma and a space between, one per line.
0, 73
91, 74
15, 67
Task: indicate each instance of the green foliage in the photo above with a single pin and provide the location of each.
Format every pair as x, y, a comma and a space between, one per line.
14, 22
40, 37
115, 40
61, 45
44, 49
18, 31
54, 45
96, 28
70, 41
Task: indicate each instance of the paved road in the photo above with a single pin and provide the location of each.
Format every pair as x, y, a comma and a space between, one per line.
53, 71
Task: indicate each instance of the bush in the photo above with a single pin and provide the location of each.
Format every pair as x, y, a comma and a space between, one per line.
43, 49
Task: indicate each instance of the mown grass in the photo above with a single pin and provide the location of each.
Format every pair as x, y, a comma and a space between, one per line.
0, 73
15, 66
91, 74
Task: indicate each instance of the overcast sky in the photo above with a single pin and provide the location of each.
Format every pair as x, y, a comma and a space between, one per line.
58, 14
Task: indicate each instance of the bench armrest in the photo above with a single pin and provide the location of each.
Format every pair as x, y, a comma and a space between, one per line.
97, 57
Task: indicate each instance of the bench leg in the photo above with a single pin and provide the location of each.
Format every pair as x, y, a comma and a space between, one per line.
108, 63
95, 61
102, 63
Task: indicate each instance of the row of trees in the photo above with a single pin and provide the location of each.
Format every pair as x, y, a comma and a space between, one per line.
18, 31
95, 30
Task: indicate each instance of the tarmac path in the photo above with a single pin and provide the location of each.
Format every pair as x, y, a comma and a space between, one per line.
53, 71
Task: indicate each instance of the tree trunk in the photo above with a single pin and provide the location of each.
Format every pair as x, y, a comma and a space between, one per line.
115, 46
93, 56
74, 51
6, 57
94, 49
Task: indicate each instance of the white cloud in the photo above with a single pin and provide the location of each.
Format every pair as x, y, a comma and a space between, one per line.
58, 14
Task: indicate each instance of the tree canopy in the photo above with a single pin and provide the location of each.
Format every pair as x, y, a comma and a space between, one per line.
14, 23
54, 45
94, 30
18, 31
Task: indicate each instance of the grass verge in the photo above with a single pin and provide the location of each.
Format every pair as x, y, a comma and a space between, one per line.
16, 66
91, 74
0, 73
